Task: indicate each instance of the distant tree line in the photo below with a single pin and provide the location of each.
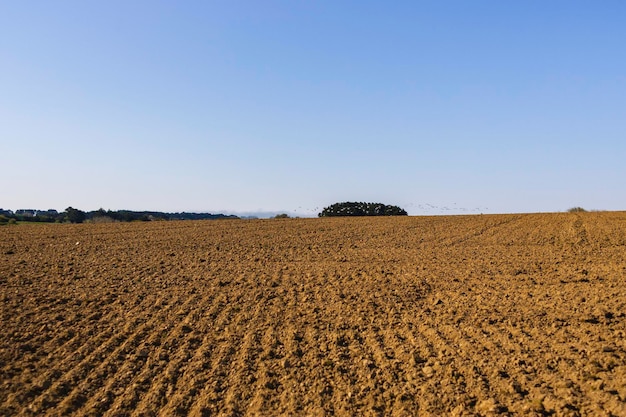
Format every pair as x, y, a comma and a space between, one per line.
73, 215
361, 209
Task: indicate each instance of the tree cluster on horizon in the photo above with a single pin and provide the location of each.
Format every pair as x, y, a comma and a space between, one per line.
361, 209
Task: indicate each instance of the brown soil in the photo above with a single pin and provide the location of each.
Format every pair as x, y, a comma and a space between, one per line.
464, 315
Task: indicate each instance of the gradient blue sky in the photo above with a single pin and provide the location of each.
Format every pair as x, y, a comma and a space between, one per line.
233, 106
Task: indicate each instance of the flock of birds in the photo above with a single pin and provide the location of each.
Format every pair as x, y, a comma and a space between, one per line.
430, 208
411, 208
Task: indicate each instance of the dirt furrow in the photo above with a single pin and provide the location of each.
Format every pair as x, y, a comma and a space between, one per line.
77, 350
101, 361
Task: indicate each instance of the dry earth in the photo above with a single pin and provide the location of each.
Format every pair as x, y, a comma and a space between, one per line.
461, 315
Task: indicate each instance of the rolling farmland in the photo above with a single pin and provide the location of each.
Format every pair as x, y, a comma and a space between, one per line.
518, 314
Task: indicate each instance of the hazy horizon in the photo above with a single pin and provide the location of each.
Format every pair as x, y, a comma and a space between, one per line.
432, 211
224, 107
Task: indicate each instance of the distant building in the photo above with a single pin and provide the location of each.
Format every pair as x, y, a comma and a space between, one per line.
26, 212
48, 213
4, 212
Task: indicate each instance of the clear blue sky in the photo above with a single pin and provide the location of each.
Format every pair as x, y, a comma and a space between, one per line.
233, 106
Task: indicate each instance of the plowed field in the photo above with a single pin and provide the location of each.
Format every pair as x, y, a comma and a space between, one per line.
461, 315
